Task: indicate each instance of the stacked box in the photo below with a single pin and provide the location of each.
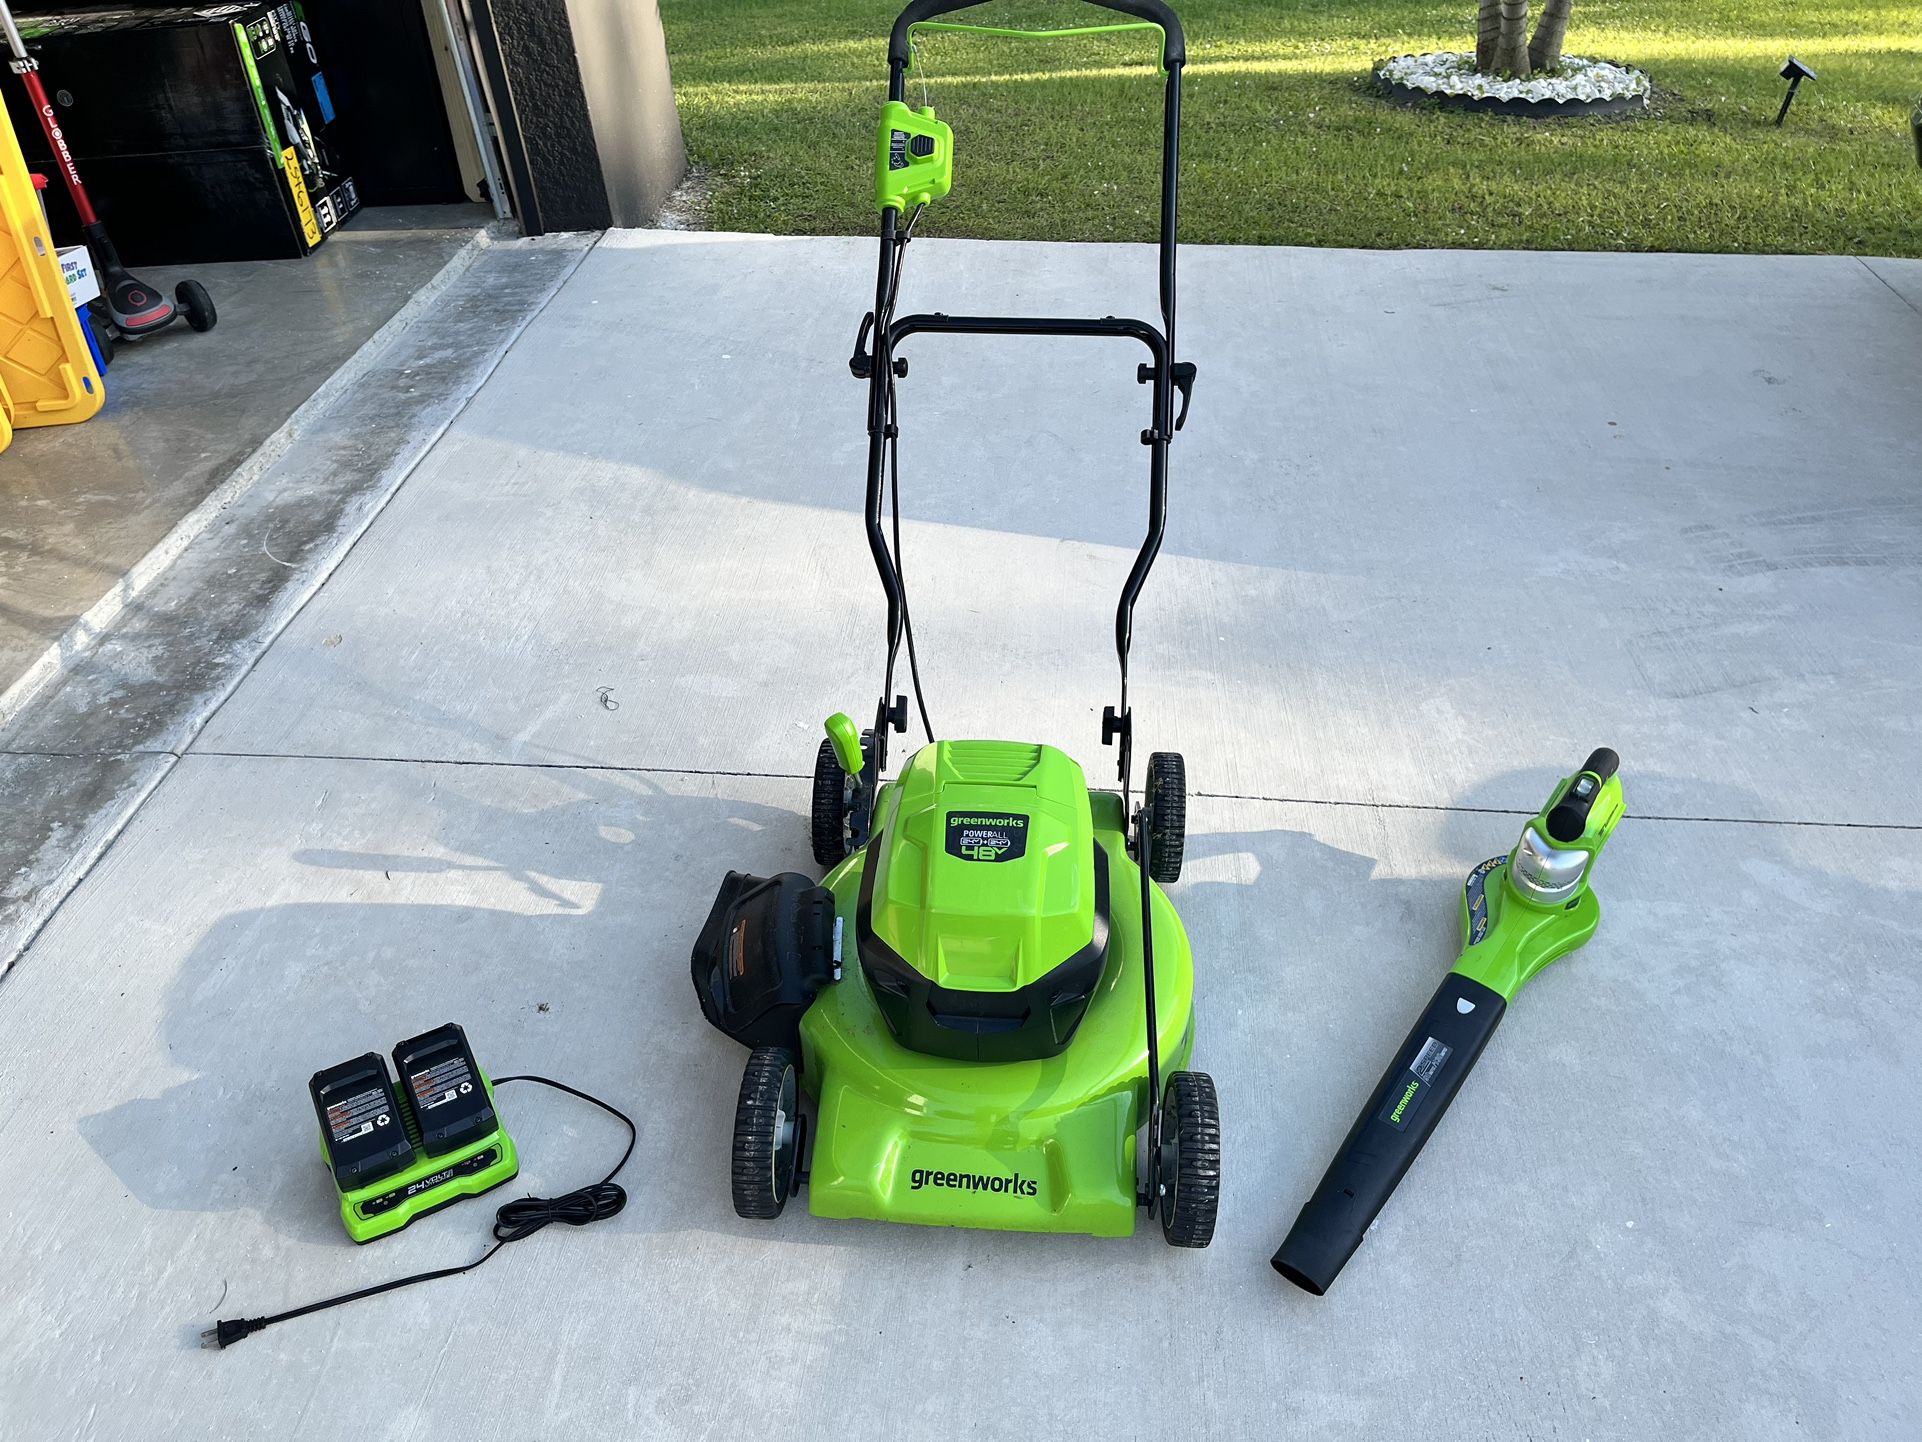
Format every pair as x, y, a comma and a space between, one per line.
203, 134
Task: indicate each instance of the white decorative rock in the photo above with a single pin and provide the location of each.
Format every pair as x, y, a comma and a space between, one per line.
1577, 81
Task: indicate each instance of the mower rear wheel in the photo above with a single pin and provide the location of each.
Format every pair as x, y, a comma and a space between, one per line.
767, 1133
830, 809
1190, 1181
1167, 802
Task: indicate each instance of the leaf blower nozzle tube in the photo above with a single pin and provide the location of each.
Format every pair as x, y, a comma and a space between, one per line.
1390, 1132
1569, 819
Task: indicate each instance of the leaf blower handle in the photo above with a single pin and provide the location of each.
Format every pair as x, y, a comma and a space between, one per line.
1174, 51
1390, 1132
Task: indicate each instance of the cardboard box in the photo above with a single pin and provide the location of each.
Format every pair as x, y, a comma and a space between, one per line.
76, 268
196, 140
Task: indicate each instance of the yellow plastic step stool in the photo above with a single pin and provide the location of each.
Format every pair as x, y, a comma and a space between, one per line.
47, 372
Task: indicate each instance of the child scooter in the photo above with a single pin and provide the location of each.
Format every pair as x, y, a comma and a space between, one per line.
134, 307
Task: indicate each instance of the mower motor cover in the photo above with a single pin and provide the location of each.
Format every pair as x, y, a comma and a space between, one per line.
763, 955
983, 915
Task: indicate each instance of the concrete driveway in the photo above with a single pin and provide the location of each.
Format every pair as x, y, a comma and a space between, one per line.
1440, 524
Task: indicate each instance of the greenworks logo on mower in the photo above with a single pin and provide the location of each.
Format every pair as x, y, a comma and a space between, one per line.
1015, 1186
987, 836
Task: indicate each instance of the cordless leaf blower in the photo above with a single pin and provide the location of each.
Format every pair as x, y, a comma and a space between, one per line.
135, 307
1519, 912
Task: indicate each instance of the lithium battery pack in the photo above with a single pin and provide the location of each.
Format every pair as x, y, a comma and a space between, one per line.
399, 1155
451, 1107
362, 1133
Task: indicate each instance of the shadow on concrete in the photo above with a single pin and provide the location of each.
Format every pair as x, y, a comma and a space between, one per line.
585, 980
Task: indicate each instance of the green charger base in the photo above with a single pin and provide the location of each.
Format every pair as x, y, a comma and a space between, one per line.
429, 1184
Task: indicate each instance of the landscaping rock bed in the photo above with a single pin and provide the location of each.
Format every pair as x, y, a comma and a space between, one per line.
1578, 86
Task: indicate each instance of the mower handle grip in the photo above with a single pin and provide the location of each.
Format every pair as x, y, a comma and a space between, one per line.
1173, 47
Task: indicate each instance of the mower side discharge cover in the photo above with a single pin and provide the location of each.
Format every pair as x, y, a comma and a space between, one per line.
763, 955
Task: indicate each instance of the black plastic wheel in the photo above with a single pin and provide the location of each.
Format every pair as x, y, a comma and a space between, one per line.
196, 305
1190, 1160
103, 333
830, 809
1167, 802
767, 1133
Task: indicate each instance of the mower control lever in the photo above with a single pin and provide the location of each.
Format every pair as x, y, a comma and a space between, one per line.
1183, 374
861, 363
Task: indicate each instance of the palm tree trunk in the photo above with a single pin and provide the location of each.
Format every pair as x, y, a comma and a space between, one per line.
1511, 43
1488, 24
1545, 51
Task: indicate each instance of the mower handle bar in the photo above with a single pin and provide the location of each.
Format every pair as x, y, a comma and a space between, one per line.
1173, 47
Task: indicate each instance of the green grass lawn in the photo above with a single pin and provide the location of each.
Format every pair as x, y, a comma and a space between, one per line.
1284, 141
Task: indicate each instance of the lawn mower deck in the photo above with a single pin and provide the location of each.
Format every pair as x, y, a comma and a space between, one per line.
983, 1136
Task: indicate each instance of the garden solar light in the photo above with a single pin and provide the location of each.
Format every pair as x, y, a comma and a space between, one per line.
1795, 72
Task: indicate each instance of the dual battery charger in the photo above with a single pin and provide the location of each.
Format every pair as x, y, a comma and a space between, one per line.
397, 1153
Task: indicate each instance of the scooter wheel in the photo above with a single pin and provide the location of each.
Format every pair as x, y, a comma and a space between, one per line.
196, 305
1190, 1181
103, 334
767, 1134
829, 819
1167, 802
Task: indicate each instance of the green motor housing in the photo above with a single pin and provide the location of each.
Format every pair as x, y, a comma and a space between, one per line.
983, 917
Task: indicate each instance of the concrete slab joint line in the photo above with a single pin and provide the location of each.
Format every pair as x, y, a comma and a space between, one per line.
134, 682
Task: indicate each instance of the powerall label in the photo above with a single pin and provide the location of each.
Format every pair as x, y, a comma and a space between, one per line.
1408, 1093
309, 226
987, 835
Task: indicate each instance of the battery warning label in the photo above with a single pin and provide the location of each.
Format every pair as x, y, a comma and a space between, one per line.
358, 1114
1412, 1088
1429, 1060
441, 1083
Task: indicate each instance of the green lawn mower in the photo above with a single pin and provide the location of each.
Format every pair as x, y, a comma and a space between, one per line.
1016, 987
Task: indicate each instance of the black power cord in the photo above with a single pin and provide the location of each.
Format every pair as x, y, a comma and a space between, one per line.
907, 616
516, 1219
894, 474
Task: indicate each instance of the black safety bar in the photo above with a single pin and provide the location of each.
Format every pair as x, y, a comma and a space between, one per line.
879, 368
1174, 47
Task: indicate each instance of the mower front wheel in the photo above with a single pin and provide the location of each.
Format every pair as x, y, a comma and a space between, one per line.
1190, 1181
1167, 801
767, 1134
